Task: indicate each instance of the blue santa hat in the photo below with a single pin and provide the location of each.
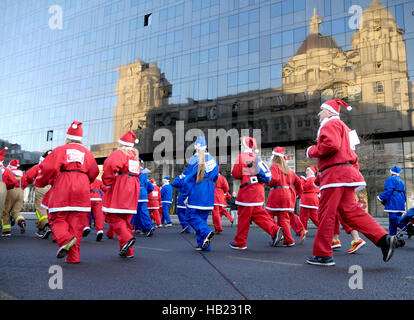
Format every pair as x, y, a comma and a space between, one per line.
166, 179
395, 170
200, 143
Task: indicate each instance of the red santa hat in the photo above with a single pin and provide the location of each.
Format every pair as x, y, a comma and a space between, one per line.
313, 169
75, 131
250, 144
334, 106
153, 181
14, 164
128, 139
279, 152
2, 154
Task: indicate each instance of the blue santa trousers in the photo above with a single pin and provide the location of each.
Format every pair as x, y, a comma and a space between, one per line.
166, 212
183, 218
198, 221
142, 220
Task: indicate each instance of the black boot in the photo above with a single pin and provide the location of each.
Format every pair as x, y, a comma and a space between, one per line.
387, 244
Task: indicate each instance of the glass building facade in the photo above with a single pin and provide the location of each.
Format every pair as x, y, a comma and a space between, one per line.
220, 67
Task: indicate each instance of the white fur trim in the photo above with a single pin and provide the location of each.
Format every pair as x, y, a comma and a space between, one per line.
121, 211
343, 184
181, 207
70, 208
397, 174
128, 144
220, 205
69, 136
307, 152
199, 207
143, 200
96, 199
309, 207
248, 204
74, 126
279, 209
278, 154
328, 107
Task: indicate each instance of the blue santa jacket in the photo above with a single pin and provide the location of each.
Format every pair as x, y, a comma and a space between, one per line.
200, 195
166, 193
178, 183
394, 194
146, 187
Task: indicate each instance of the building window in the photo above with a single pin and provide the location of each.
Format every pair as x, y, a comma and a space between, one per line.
380, 108
147, 20
396, 86
378, 87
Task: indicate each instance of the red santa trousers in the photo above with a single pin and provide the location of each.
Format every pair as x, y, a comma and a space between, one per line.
284, 220
338, 223
96, 208
66, 225
342, 201
259, 216
121, 226
156, 216
308, 213
295, 222
217, 213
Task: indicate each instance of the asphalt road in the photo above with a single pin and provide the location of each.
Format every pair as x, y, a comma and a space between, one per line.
166, 267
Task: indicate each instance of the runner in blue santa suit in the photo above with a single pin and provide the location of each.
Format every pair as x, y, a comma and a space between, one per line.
178, 183
142, 220
199, 185
166, 201
394, 199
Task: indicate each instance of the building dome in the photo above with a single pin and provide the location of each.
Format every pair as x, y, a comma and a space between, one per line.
317, 41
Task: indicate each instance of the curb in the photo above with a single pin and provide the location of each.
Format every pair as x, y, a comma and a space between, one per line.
383, 221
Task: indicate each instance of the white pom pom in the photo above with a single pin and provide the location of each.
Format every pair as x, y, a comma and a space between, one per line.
74, 126
256, 150
6, 148
136, 140
349, 108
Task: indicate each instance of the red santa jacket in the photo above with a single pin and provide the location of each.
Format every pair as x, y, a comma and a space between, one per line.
280, 195
221, 191
21, 178
309, 198
72, 168
32, 173
251, 193
97, 187
337, 161
8, 178
120, 176
154, 198
295, 187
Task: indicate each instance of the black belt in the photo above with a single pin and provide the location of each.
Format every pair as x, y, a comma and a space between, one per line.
73, 171
250, 182
280, 187
336, 164
126, 173
398, 191
94, 191
208, 179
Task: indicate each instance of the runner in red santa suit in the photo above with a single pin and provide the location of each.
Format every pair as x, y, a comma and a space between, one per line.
309, 202
42, 218
338, 178
15, 198
154, 204
121, 177
7, 182
220, 202
281, 200
253, 173
72, 167
97, 191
